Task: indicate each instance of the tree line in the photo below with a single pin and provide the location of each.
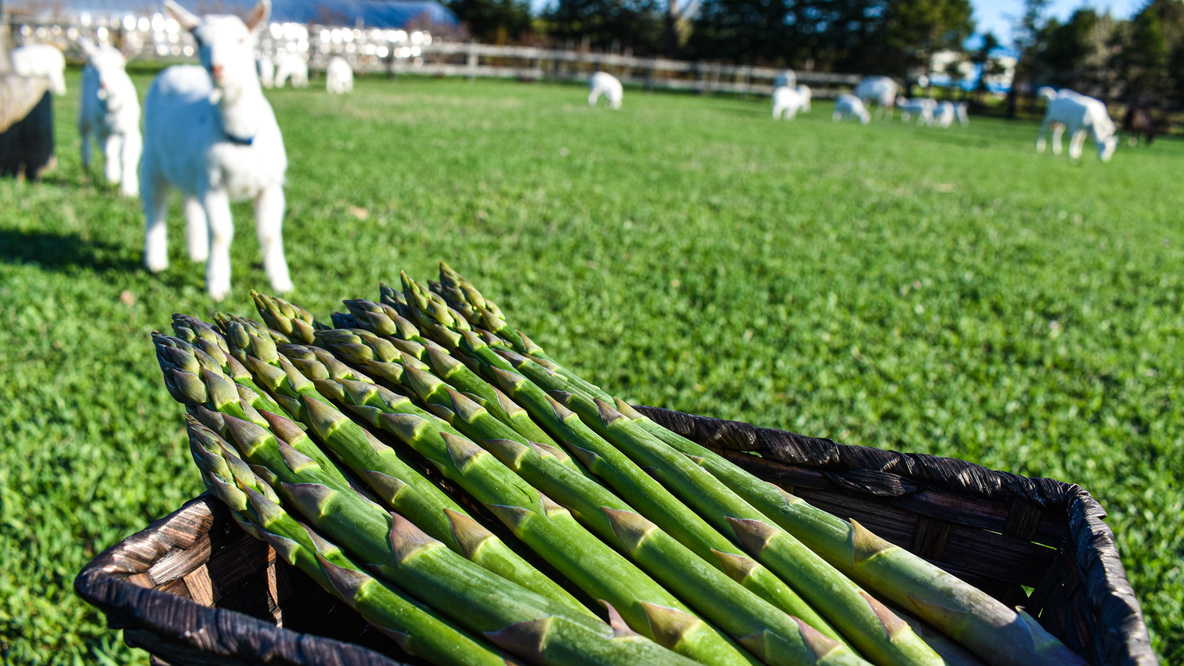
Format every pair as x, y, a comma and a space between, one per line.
1138, 60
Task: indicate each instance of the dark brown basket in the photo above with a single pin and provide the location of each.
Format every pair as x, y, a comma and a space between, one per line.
192, 588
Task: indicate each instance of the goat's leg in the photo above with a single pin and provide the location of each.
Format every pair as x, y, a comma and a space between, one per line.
269, 223
112, 164
1076, 141
197, 230
133, 146
155, 192
593, 97
216, 204
1040, 137
1058, 131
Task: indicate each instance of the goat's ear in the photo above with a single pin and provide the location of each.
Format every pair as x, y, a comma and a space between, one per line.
257, 19
188, 20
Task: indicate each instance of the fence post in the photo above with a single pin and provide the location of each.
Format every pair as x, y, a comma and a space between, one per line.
471, 62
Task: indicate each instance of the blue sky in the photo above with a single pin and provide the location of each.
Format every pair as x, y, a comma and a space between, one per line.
999, 15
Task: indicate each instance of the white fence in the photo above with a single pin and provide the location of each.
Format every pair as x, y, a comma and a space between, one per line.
396, 52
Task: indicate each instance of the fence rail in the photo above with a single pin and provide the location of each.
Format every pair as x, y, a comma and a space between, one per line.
375, 51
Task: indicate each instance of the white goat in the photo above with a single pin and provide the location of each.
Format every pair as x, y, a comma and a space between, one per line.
921, 107
850, 106
947, 112
266, 67
1078, 114
339, 76
291, 68
603, 83
109, 113
880, 91
210, 133
41, 60
786, 103
786, 79
805, 93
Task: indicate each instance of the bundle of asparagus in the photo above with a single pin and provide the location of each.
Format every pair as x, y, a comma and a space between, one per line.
352, 448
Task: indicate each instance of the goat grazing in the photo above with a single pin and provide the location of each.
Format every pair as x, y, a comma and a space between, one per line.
1078, 114
787, 102
850, 106
41, 60
339, 76
879, 91
210, 133
292, 69
109, 113
947, 112
921, 107
603, 83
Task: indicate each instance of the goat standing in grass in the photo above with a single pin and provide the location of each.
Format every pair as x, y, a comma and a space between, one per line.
603, 83
291, 68
109, 112
41, 60
339, 76
1078, 114
787, 102
211, 134
919, 106
850, 106
880, 91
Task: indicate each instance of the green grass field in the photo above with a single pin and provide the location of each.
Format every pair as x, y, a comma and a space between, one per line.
944, 292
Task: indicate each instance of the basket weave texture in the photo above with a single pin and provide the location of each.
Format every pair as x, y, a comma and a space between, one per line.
192, 588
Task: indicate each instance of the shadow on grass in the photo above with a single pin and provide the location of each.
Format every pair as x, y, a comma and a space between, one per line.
58, 252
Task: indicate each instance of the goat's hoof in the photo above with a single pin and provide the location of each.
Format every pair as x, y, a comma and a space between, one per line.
156, 265
219, 293
282, 286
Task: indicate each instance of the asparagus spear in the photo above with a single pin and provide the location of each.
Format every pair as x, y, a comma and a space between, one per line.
546, 527
418, 630
959, 610
511, 616
290, 319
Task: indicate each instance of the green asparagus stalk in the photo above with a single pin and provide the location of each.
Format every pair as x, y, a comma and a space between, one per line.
514, 618
418, 630
546, 527
195, 379
295, 322
959, 610
653, 500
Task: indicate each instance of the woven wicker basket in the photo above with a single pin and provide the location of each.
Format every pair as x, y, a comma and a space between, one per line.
192, 588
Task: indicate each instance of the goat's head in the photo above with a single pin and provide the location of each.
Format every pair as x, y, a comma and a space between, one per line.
107, 62
226, 44
1106, 147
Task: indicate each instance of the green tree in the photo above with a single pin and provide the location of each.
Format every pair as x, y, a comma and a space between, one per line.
493, 21
914, 30
743, 31
638, 25
1029, 36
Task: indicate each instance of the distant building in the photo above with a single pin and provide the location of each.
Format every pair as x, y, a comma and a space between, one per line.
384, 14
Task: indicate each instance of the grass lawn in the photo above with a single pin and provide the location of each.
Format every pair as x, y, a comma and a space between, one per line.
938, 291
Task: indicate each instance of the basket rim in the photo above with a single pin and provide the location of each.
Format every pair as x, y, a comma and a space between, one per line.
106, 584
1122, 637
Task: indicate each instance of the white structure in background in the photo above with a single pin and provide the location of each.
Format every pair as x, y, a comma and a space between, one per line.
210, 133
879, 91
787, 102
266, 67
291, 68
339, 76
947, 112
1078, 115
606, 85
109, 113
786, 79
850, 106
921, 107
806, 94
40, 60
